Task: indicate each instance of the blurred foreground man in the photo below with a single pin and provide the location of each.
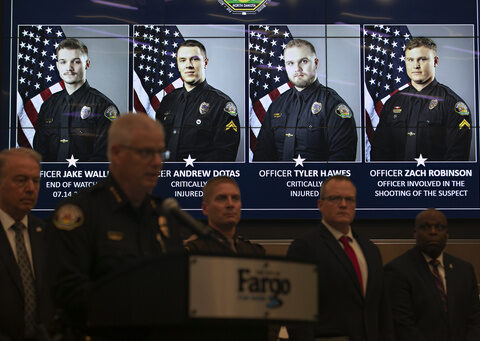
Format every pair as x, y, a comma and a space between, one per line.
351, 287
25, 301
222, 206
434, 295
116, 222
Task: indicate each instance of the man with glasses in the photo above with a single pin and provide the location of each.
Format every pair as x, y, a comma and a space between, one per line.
116, 222
351, 291
434, 295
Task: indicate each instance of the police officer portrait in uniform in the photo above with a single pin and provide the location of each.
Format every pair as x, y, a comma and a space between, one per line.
74, 121
200, 121
427, 118
222, 205
115, 223
310, 120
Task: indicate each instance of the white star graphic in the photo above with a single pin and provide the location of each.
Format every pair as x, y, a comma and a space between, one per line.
421, 160
299, 161
72, 162
189, 161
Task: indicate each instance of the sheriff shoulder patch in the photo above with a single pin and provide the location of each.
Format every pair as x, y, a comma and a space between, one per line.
343, 111
461, 109
68, 217
111, 113
231, 109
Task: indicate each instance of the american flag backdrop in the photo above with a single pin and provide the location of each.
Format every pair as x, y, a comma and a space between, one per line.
155, 72
268, 80
37, 75
385, 72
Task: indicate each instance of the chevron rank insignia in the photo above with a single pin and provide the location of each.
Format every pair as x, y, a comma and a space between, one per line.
464, 123
231, 125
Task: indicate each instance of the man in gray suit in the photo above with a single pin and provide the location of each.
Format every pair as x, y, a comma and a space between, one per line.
24, 294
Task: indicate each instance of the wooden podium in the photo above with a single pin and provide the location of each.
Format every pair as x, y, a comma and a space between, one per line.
176, 297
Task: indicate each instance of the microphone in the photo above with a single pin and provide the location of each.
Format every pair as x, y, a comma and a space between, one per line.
171, 206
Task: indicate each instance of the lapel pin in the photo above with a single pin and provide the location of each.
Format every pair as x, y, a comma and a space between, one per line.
38, 229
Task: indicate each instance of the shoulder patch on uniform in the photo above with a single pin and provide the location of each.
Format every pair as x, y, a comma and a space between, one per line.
68, 217
231, 109
343, 111
85, 112
316, 107
203, 108
111, 113
231, 125
461, 109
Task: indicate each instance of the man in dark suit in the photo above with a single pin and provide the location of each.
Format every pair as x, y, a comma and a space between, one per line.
24, 295
434, 295
351, 291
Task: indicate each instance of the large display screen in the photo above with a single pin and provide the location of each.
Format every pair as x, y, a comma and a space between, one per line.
296, 91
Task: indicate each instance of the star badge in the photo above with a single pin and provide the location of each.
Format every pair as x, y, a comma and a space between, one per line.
72, 162
299, 161
421, 160
189, 161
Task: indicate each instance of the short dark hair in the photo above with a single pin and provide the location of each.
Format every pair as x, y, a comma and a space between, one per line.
336, 178
214, 182
72, 44
300, 43
429, 212
419, 42
194, 43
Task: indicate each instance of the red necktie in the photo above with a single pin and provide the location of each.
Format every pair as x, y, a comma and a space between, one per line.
353, 258
439, 283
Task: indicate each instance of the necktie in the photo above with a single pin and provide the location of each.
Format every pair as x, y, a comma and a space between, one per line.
27, 280
353, 258
439, 283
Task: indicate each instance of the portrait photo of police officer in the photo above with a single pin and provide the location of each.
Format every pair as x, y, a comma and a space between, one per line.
75, 120
430, 119
202, 121
311, 120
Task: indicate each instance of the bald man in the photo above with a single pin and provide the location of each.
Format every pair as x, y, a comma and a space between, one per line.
434, 295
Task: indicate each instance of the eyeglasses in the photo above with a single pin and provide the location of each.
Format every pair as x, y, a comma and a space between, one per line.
337, 199
426, 227
148, 153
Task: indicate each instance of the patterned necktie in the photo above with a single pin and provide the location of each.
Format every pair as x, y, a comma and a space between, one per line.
27, 280
439, 283
353, 258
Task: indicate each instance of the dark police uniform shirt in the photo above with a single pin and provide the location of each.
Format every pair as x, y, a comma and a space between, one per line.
98, 231
74, 124
202, 123
434, 122
315, 123
219, 245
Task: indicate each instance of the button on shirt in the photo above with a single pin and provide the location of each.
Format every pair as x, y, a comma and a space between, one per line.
441, 268
356, 248
7, 223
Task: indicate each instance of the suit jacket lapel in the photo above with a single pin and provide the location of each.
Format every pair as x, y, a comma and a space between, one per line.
7, 256
342, 257
35, 232
450, 279
370, 260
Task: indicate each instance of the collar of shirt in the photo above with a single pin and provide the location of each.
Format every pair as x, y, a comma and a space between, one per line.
336, 233
78, 93
425, 90
8, 221
428, 259
196, 89
307, 91
119, 198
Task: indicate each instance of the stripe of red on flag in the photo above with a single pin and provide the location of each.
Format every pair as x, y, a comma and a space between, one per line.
169, 88
31, 112
155, 103
369, 128
253, 141
378, 107
62, 84
21, 138
274, 94
137, 104
259, 110
45, 94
